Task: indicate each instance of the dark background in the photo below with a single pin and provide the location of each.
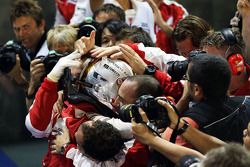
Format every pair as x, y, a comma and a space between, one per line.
217, 13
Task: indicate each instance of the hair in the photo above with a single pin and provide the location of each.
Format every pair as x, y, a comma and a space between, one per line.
230, 155
111, 9
101, 140
135, 34
62, 34
216, 39
192, 27
212, 74
146, 85
26, 8
114, 25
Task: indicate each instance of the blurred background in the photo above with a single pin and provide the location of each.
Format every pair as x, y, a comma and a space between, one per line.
217, 13
29, 152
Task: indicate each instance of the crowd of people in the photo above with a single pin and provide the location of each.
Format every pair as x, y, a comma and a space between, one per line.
131, 83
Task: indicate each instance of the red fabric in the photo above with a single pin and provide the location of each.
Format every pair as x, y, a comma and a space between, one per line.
244, 90
137, 156
66, 9
162, 40
173, 89
179, 140
141, 53
40, 116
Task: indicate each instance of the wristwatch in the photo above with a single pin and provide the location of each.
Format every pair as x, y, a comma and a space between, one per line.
150, 70
183, 129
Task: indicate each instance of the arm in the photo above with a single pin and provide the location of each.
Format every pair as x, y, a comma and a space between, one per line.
243, 7
158, 18
40, 118
149, 55
36, 71
201, 141
172, 151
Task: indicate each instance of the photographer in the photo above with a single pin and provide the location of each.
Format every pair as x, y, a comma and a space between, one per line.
29, 28
145, 135
208, 79
60, 41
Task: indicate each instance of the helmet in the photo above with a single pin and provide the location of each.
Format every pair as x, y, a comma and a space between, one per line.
103, 76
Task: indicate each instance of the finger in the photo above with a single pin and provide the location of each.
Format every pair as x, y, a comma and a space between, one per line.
74, 55
92, 35
133, 122
128, 51
126, 56
96, 52
165, 104
54, 152
35, 61
143, 115
53, 147
78, 46
37, 70
38, 65
118, 55
244, 133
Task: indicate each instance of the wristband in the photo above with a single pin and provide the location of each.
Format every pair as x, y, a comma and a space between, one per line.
182, 129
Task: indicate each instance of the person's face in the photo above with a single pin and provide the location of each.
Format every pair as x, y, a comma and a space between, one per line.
107, 38
193, 90
79, 136
126, 94
27, 31
185, 46
62, 48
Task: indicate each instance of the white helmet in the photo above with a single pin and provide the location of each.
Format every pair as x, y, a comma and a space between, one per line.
103, 76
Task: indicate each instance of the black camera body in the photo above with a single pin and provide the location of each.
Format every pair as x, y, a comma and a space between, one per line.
87, 26
51, 59
177, 69
156, 113
8, 56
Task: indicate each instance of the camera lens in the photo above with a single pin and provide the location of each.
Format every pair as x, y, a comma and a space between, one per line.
177, 69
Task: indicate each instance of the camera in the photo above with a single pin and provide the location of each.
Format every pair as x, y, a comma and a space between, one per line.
8, 56
156, 113
51, 59
86, 27
177, 69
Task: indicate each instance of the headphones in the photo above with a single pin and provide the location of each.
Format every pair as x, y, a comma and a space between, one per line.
235, 60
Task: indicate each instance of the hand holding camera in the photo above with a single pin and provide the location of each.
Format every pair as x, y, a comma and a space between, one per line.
141, 131
71, 60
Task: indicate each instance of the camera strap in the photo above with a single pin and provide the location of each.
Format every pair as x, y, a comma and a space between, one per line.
175, 130
152, 127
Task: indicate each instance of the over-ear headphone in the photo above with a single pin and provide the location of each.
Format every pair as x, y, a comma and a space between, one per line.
235, 60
